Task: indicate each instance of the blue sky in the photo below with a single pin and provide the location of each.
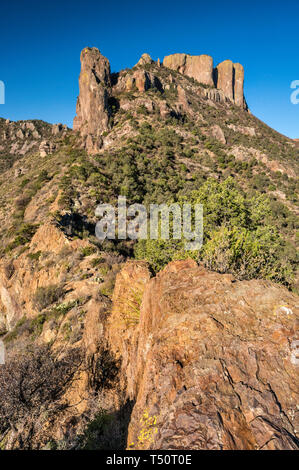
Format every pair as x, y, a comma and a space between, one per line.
41, 43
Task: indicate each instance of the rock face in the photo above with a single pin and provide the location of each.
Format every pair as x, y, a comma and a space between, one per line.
101, 93
218, 134
198, 67
46, 148
227, 76
145, 59
92, 106
239, 85
212, 362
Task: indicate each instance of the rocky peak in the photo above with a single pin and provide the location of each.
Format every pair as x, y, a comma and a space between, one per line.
145, 59
227, 76
102, 94
92, 106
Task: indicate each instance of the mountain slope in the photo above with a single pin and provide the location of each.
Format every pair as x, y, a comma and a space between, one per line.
154, 134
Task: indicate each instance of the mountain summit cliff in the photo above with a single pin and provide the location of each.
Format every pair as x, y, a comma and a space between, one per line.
99, 90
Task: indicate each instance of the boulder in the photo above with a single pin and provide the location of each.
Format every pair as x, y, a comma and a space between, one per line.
210, 362
46, 148
218, 134
145, 59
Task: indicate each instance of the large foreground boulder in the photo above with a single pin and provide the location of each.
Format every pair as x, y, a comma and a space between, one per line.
212, 362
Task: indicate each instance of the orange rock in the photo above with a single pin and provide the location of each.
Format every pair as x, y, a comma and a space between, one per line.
198, 67
204, 364
225, 72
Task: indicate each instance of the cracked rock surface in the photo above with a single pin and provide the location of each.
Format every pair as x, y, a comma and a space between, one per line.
213, 362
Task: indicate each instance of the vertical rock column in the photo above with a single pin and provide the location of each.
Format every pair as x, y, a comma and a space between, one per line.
230, 79
200, 67
225, 78
239, 85
92, 106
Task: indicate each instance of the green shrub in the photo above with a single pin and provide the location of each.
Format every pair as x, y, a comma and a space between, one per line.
247, 254
96, 261
87, 251
23, 235
34, 256
37, 324
45, 296
241, 236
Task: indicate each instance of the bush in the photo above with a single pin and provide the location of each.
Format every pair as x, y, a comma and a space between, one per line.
88, 250
45, 296
247, 254
34, 256
241, 236
36, 325
30, 382
23, 235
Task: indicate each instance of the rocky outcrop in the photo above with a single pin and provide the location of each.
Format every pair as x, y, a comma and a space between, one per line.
92, 106
227, 77
21, 138
145, 59
141, 80
239, 85
198, 67
99, 88
211, 363
46, 148
224, 78
243, 129
218, 134
59, 129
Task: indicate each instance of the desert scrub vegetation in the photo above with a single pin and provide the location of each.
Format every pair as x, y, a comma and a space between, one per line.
31, 382
129, 306
242, 235
87, 251
23, 236
28, 329
34, 382
45, 296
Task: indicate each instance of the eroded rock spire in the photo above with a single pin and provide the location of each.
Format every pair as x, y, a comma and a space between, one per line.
92, 106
